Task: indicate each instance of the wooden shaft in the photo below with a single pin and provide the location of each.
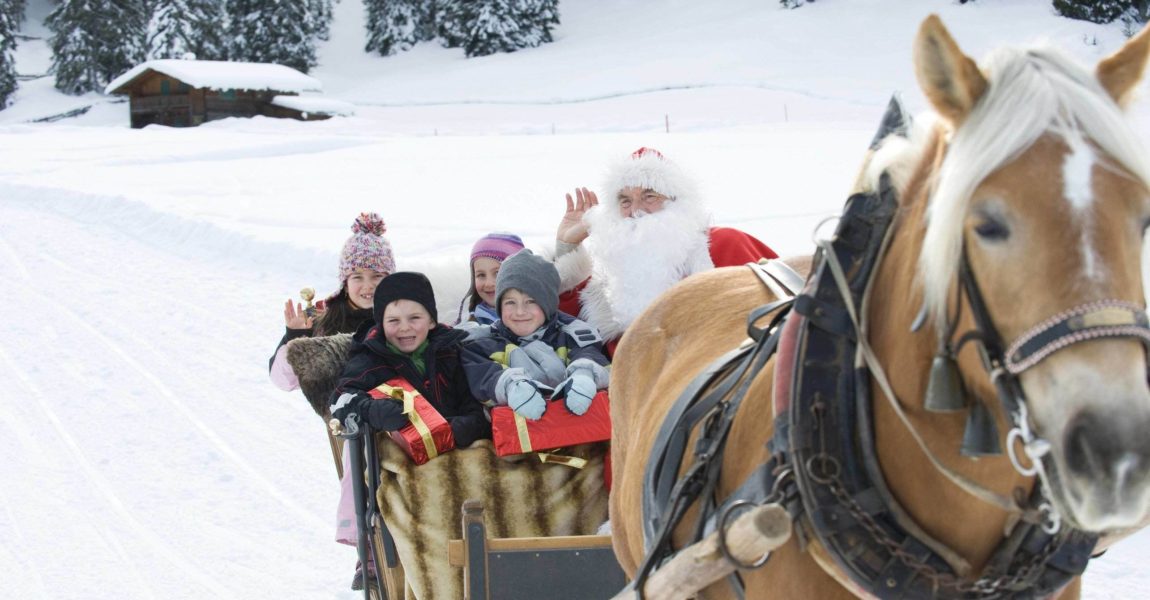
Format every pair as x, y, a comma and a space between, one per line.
752, 535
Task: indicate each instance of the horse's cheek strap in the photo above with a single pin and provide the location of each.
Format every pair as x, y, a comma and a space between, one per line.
1094, 320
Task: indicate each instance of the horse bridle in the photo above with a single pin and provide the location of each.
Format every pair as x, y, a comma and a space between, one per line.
1107, 318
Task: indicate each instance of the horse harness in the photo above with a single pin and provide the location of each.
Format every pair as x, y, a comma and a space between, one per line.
822, 464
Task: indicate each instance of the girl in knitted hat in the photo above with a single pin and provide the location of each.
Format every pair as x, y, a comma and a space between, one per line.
533, 349
487, 255
365, 260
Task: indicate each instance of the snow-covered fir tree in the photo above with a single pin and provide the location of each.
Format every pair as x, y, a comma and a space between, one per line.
15, 11
1096, 11
178, 27
319, 15
394, 25
272, 31
453, 20
535, 19
8, 24
93, 41
495, 28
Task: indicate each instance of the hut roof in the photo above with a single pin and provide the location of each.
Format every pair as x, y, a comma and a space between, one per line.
319, 106
221, 75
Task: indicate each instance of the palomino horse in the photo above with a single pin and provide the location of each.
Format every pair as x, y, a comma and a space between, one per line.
1028, 193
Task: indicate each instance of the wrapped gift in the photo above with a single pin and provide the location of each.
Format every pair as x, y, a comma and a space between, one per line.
428, 434
515, 434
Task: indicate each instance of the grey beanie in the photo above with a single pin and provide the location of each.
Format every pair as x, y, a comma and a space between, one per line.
533, 275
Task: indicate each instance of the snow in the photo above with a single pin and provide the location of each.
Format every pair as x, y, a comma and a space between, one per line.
146, 453
221, 75
312, 104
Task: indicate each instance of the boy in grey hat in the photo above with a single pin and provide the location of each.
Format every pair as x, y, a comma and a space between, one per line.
533, 349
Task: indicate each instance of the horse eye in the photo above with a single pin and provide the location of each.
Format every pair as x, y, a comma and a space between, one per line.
992, 230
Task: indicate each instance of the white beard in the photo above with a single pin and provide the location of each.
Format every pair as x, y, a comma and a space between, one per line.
634, 260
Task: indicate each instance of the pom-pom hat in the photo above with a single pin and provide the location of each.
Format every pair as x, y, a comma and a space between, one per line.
366, 248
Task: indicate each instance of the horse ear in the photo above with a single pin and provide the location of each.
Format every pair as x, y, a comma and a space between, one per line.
1120, 72
949, 78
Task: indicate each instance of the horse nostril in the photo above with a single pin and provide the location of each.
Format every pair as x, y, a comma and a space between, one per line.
1097, 447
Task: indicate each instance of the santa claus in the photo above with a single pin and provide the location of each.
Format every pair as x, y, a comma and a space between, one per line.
652, 231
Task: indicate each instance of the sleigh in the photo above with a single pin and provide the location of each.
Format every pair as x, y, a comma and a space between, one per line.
469, 523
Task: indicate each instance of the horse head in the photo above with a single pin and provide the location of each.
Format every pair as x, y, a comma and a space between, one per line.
1035, 207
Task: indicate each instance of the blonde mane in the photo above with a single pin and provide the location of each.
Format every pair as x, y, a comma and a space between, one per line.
1031, 92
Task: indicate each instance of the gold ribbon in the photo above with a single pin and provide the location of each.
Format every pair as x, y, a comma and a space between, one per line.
407, 397
544, 457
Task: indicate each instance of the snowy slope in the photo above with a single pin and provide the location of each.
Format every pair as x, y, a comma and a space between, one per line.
146, 453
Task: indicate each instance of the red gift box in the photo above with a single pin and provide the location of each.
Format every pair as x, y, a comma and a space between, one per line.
515, 434
428, 434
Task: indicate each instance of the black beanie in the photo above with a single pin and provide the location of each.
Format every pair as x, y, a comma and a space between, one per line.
404, 286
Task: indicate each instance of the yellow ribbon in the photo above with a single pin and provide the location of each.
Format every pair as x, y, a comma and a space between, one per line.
407, 397
544, 457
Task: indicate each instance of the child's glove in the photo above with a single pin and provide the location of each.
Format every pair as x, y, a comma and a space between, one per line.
352, 410
524, 397
553, 367
523, 394
584, 378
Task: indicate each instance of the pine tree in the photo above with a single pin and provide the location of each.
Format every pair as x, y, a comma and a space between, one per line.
495, 28
8, 24
170, 32
535, 19
272, 31
93, 41
209, 26
320, 15
178, 27
395, 25
453, 21
14, 9
1096, 11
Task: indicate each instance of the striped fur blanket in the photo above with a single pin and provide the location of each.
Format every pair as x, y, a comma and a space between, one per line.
421, 505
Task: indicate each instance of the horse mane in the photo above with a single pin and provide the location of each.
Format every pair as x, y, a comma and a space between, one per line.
1030, 92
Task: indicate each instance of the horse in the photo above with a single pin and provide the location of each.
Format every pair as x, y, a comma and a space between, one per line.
1020, 215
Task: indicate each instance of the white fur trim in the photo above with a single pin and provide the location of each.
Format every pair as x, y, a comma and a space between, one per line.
649, 171
574, 267
636, 259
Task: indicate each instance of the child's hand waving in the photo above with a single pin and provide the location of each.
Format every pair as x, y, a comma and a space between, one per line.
295, 317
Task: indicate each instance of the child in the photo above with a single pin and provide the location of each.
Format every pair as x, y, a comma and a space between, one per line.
365, 260
486, 256
406, 341
533, 348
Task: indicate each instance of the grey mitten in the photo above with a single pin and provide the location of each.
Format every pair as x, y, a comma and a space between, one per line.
584, 378
524, 395
518, 358
553, 367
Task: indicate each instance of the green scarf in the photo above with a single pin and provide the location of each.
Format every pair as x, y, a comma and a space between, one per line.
416, 356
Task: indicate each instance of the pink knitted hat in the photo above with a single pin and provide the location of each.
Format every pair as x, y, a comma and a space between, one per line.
366, 248
496, 245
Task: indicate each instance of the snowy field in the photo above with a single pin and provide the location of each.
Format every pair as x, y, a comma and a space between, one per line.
147, 455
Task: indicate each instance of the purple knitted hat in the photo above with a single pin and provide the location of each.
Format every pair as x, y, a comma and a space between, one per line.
496, 245
366, 248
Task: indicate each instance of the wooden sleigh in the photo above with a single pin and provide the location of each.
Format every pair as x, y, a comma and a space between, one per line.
542, 547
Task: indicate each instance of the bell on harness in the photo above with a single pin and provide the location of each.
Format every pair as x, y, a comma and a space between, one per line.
981, 435
944, 390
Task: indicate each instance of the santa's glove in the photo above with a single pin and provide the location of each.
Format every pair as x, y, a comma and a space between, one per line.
554, 368
524, 395
584, 378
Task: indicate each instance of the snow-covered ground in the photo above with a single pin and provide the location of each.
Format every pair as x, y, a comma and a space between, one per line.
145, 453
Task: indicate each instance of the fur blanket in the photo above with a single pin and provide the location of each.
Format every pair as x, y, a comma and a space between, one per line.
421, 505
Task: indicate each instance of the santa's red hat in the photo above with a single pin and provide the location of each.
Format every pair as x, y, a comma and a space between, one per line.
647, 168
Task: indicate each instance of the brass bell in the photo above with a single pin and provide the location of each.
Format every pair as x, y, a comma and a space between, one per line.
981, 435
944, 389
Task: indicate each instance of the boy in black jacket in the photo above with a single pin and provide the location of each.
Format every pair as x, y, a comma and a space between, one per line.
406, 340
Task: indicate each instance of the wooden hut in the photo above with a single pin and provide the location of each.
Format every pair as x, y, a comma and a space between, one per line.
186, 93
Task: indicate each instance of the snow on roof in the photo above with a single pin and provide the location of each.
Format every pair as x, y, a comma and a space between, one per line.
319, 106
221, 75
